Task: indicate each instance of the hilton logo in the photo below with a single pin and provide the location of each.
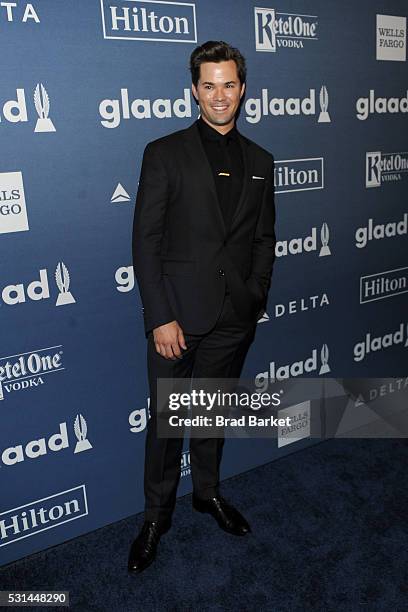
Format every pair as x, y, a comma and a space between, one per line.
42, 514
299, 174
149, 20
383, 285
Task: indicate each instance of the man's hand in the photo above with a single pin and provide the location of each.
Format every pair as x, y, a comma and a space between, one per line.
169, 339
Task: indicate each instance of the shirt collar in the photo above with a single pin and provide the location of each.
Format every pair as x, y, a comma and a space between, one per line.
209, 133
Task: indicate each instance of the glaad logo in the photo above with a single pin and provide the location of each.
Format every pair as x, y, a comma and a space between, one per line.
42, 106
372, 105
299, 174
296, 368
381, 230
255, 108
81, 430
385, 167
274, 29
125, 279
295, 246
41, 446
62, 279
13, 211
42, 514
39, 289
391, 38
27, 370
149, 20
120, 195
112, 111
138, 418
383, 285
15, 111
378, 343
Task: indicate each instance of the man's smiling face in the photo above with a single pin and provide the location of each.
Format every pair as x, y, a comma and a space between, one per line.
218, 93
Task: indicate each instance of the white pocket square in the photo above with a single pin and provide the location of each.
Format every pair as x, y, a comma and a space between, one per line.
262, 178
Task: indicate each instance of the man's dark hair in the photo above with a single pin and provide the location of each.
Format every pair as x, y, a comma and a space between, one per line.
216, 51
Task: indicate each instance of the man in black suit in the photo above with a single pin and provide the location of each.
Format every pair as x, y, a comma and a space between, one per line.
203, 251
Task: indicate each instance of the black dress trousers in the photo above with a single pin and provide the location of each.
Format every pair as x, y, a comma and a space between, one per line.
220, 353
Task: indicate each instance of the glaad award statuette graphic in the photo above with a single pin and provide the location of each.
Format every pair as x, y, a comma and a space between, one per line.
42, 106
324, 237
81, 429
324, 116
324, 356
62, 280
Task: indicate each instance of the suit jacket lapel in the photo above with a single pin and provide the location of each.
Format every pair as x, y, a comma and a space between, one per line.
196, 153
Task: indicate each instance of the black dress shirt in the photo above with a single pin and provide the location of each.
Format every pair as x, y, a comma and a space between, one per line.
225, 157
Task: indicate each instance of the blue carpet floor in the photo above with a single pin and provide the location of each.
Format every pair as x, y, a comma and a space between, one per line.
329, 533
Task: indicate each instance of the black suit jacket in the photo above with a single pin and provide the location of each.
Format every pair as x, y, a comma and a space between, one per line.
182, 251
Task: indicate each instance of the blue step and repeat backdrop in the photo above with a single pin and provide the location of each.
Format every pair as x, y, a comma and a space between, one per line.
85, 84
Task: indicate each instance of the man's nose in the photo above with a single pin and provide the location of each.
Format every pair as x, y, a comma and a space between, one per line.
219, 94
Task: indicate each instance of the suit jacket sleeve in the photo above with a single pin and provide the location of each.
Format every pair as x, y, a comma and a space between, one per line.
148, 228
263, 250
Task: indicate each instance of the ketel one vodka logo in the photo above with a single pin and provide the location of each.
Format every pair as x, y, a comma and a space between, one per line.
41, 446
385, 167
39, 289
308, 244
296, 368
42, 106
372, 344
28, 370
274, 29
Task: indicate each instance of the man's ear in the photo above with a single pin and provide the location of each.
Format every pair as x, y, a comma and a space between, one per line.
194, 90
242, 90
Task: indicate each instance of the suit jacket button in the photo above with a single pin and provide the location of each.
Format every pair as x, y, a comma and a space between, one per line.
221, 272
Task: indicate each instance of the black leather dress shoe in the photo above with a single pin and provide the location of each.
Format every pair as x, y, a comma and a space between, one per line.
227, 517
144, 548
